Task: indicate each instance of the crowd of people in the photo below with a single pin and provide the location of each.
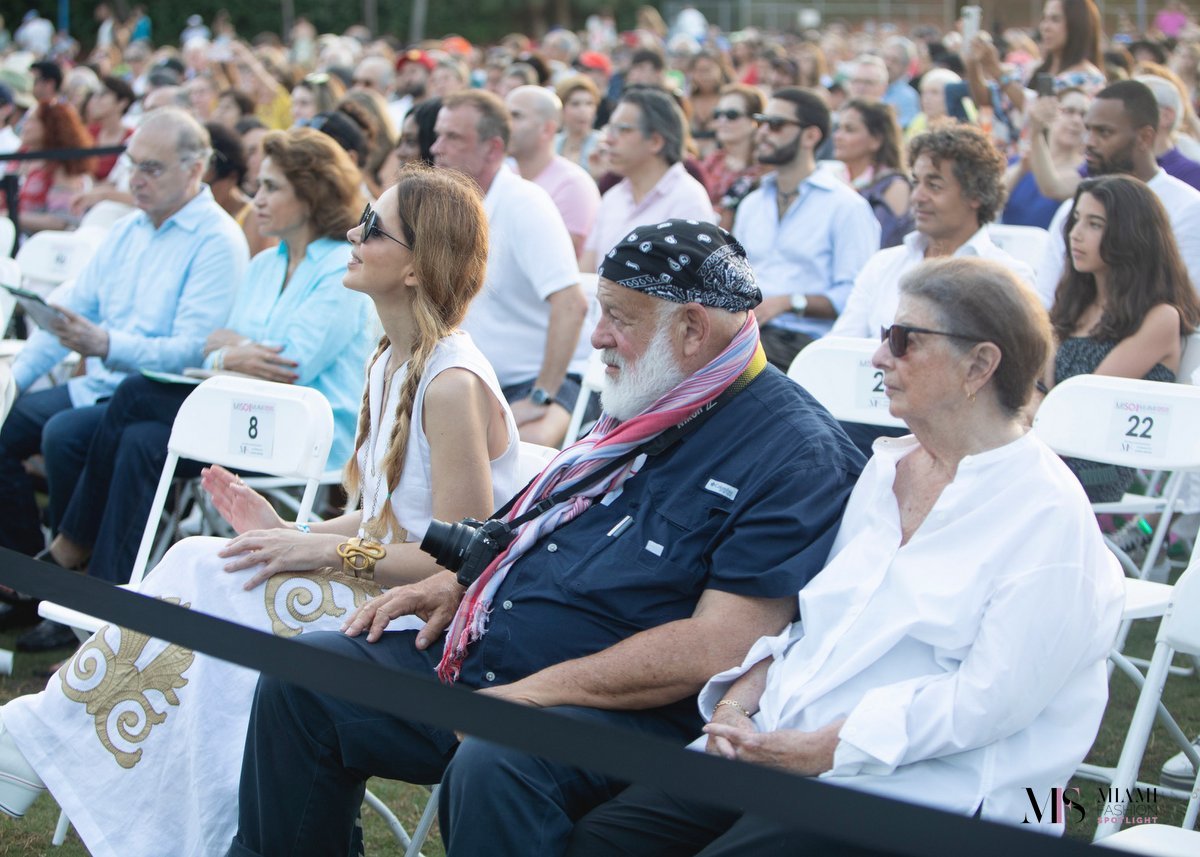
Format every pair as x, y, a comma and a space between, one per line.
844, 601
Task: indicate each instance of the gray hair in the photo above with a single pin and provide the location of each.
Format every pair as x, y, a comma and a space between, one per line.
661, 116
1166, 94
192, 142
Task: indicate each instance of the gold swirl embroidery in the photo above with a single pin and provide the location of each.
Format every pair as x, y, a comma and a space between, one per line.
124, 686
308, 597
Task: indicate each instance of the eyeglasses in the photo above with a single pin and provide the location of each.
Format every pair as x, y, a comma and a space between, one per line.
370, 228
776, 123
897, 335
731, 115
317, 78
150, 169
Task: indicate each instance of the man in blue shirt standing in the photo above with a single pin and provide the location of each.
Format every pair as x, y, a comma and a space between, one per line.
616, 603
806, 232
161, 282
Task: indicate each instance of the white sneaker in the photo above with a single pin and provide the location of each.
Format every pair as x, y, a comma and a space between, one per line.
19, 783
1177, 771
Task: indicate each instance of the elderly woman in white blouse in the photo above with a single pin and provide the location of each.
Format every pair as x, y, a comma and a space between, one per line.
952, 652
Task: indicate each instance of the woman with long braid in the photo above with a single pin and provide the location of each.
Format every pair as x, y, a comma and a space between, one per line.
132, 728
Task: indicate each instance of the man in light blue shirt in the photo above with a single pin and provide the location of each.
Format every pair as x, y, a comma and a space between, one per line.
898, 54
806, 233
161, 282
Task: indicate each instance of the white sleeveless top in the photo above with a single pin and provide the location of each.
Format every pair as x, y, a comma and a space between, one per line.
412, 499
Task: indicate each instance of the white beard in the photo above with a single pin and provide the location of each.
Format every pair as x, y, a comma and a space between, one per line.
641, 384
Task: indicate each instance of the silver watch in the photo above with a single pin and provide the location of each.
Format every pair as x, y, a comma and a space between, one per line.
799, 304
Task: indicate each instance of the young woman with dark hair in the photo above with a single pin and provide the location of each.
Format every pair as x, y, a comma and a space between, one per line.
868, 141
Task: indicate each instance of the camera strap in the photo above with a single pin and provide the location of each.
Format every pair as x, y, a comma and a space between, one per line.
656, 445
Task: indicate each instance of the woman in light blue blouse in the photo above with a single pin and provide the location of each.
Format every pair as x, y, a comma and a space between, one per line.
292, 322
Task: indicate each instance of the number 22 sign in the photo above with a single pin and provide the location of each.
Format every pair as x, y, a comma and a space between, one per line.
1140, 428
868, 387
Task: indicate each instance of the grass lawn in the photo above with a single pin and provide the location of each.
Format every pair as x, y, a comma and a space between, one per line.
31, 836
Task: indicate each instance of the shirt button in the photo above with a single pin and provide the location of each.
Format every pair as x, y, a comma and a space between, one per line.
489, 675
552, 547
507, 605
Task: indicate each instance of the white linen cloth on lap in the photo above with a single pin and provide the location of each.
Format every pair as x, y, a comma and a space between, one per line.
141, 741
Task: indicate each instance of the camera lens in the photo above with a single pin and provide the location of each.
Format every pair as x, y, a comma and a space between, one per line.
447, 542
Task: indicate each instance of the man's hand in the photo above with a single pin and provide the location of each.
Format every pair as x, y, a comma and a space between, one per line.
525, 411
77, 333
804, 753
434, 599
772, 307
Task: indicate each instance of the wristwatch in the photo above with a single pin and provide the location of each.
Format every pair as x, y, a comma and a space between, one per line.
541, 396
799, 304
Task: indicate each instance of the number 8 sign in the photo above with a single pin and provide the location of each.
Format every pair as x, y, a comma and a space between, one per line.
252, 429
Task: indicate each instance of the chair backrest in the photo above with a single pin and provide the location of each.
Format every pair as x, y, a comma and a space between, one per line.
1180, 628
104, 214
593, 382
1132, 423
49, 258
8, 390
8, 234
1189, 359
533, 460
837, 371
10, 275
261, 426
1027, 243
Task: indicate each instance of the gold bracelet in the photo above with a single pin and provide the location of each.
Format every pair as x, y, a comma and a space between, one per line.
359, 557
736, 706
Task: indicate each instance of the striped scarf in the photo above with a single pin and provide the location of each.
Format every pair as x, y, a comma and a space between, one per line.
609, 440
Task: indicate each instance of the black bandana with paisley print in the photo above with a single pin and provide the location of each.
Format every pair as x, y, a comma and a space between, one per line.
684, 261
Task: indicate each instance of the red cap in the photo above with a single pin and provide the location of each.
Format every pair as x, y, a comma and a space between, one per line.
456, 45
595, 61
417, 56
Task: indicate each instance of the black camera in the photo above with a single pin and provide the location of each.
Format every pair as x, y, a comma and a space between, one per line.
468, 547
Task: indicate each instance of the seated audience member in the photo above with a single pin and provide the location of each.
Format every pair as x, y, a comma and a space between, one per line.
435, 440
160, 283
1170, 120
578, 137
646, 136
105, 113
1049, 171
1123, 303
898, 56
48, 186
625, 636
1122, 125
867, 140
933, 101
731, 170
306, 331
528, 319
233, 107
370, 110
806, 233
315, 93
416, 139
227, 171
536, 113
908, 673
958, 177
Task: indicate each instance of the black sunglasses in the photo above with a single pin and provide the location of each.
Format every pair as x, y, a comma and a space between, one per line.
370, 228
731, 115
775, 123
896, 337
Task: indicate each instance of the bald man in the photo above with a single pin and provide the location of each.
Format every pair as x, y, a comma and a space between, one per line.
536, 116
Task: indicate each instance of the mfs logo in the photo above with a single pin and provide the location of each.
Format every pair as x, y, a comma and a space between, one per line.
1058, 800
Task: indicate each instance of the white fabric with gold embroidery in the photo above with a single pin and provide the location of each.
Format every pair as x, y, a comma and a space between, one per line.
141, 741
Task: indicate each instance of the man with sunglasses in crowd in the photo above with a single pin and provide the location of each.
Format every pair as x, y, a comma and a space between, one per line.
806, 232
162, 280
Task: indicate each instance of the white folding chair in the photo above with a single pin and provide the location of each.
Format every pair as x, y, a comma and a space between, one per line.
50, 258
593, 382
1179, 631
1027, 243
837, 372
10, 275
8, 234
104, 214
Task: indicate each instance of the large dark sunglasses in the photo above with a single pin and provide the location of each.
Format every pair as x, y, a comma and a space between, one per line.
896, 337
370, 227
775, 123
731, 115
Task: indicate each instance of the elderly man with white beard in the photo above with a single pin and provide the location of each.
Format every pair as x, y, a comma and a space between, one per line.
676, 532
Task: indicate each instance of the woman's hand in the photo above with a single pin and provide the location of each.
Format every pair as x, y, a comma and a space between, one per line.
242, 508
434, 599
1043, 113
222, 338
279, 551
804, 753
261, 361
984, 53
732, 717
